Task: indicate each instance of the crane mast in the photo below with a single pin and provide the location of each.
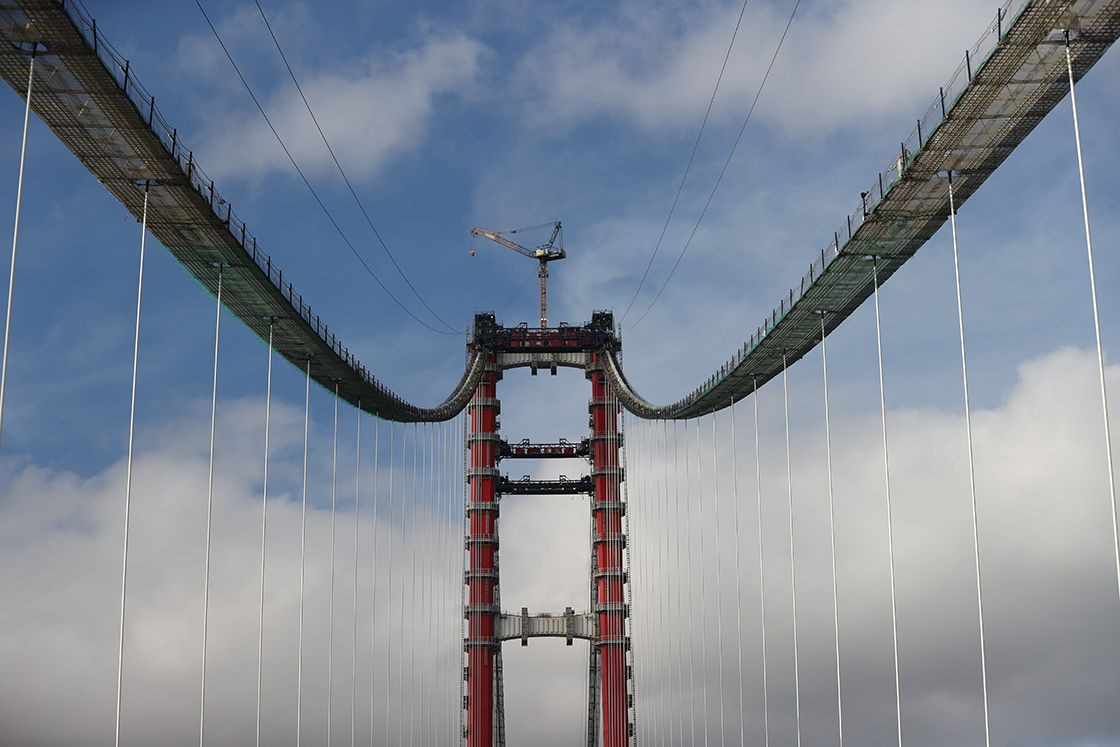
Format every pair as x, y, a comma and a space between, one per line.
545, 253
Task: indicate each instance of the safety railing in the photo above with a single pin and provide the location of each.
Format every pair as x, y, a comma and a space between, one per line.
147, 110
926, 126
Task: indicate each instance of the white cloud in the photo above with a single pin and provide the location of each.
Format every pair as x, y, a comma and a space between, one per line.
843, 63
1045, 537
370, 110
61, 537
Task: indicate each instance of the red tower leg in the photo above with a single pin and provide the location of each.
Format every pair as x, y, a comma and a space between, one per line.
610, 602
482, 571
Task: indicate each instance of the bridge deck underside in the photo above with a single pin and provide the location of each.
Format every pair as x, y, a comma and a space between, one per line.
105, 117
1002, 98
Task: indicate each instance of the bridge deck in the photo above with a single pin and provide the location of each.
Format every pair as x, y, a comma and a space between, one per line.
1016, 74
86, 94
1010, 80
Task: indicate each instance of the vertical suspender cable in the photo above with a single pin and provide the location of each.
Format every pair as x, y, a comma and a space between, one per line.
440, 565
303, 556
131, 443
434, 504
456, 489
446, 695
455, 612
389, 584
420, 571
691, 607
330, 614
449, 610
442, 543
402, 573
354, 642
412, 597
12, 268
1096, 314
429, 557
209, 512
264, 528
400, 610
761, 573
792, 552
464, 658
679, 617
670, 571
971, 466
436, 598
719, 579
887, 488
832, 534
663, 598
658, 580
703, 583
738, 574
432, 561
373, 589
654, 577
642, 560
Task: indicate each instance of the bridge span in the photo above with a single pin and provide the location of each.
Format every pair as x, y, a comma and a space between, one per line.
1026, 62
89, 96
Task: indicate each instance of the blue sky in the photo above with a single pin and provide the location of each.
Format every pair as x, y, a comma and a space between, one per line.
502, 113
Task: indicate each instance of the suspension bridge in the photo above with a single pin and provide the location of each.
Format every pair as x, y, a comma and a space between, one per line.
640, 460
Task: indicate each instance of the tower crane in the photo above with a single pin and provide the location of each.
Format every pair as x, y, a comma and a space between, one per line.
549, 251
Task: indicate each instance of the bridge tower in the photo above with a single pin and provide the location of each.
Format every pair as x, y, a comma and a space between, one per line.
605, 625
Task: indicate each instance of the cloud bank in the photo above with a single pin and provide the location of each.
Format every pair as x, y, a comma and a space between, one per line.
1045, 538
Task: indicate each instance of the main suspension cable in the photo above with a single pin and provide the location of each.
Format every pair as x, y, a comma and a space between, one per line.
307, 182
691, 158
726, 163
345, 178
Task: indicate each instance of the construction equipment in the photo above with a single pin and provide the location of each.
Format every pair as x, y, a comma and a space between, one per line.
549, 251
